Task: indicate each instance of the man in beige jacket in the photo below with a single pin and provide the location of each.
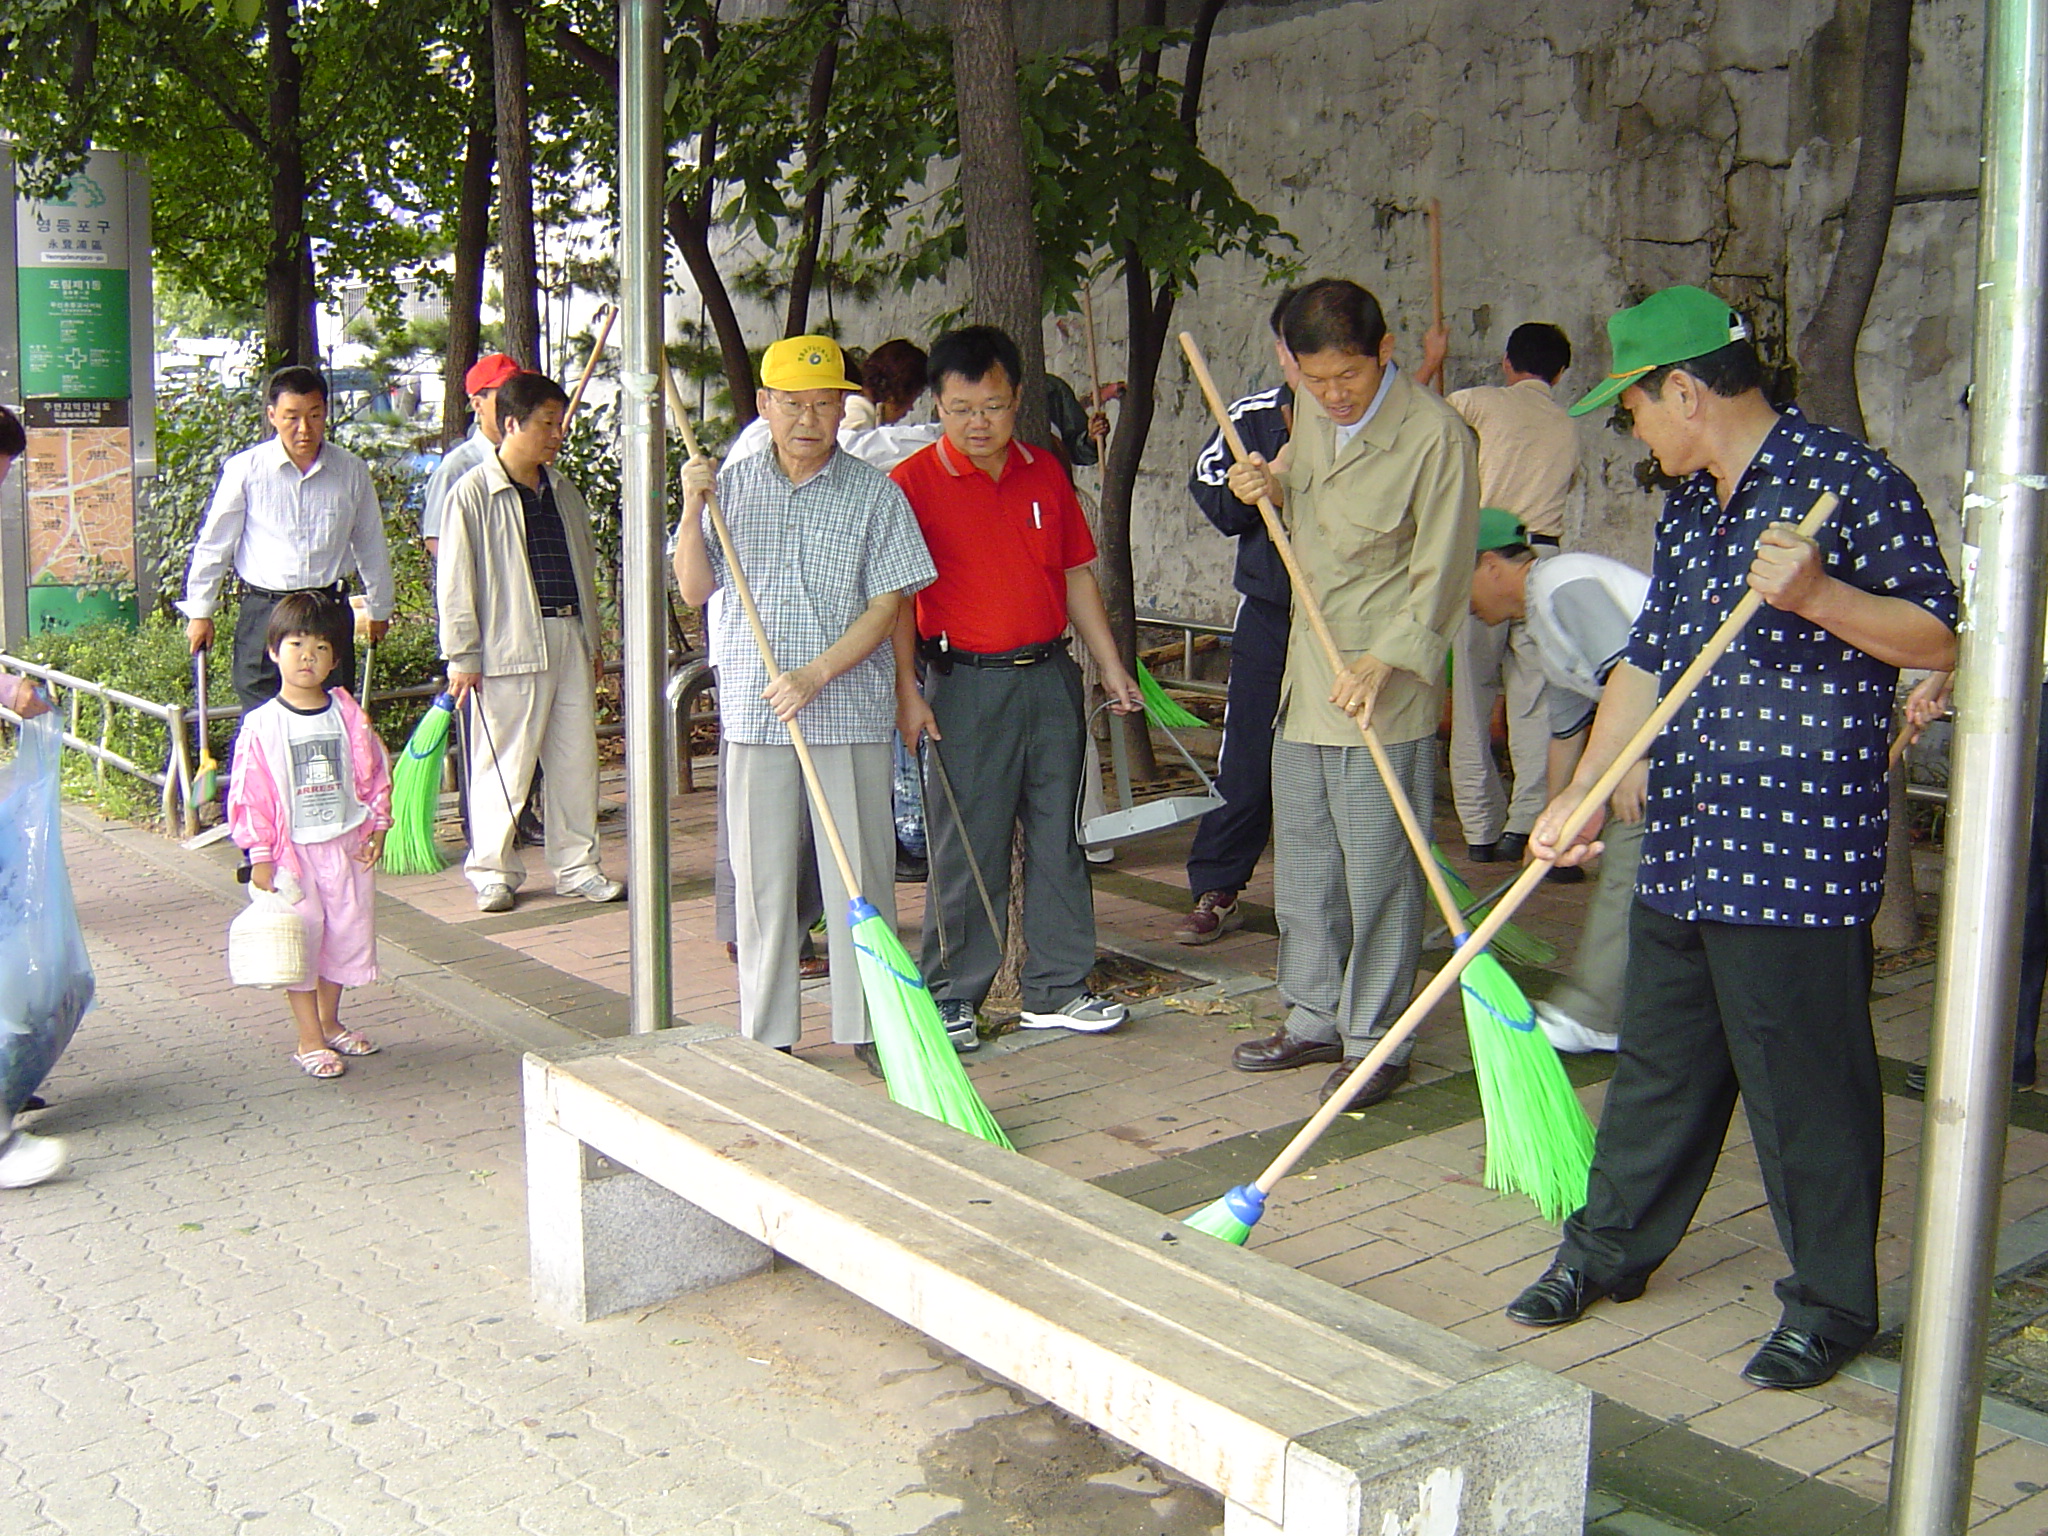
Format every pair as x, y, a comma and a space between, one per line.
1380, 484
515, 577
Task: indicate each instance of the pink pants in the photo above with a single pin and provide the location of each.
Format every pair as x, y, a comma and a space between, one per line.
339, 906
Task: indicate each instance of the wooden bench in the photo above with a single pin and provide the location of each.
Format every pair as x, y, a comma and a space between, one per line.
682, 1160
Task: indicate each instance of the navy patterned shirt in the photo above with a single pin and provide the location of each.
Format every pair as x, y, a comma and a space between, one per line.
1767, 790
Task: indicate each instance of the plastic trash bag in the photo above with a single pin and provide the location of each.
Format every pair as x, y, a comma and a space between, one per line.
45, 978
909, 800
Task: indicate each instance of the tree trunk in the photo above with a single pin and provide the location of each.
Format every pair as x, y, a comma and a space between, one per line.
804, 270
1827, 347
287, 296
472, 242
689, 225
516, 261
1151, 321
1007, 281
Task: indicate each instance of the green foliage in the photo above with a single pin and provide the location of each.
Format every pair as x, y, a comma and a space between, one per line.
186, 85
200, 422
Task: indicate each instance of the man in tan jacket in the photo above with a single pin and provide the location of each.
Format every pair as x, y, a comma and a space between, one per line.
516, 581
1380, 484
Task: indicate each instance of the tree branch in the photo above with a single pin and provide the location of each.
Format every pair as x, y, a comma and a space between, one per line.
593, 58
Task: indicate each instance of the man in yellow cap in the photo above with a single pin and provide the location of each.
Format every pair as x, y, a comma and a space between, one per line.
1763, 850
830, 550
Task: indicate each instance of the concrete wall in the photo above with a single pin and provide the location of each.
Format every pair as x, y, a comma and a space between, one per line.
1585, 152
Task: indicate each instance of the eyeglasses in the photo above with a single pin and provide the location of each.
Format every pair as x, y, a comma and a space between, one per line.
815, 410
982, 413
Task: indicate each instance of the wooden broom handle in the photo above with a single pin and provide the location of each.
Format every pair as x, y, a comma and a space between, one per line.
1436, 274
1532, 874
746, 596
596, 350
1305, 598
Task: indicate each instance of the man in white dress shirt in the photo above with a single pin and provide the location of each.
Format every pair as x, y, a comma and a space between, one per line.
294, 514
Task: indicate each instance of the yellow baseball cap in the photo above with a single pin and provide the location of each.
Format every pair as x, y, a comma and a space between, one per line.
805, 362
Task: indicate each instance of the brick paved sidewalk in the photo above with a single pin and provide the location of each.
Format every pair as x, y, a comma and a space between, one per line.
264, 1303
1396, 1208
1392, 1206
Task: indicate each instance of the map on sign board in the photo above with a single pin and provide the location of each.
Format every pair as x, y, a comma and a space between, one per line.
81, 505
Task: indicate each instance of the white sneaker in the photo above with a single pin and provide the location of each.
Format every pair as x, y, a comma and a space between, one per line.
593, 887
1088, 1012
1570, 1036
495, 897
26, 1159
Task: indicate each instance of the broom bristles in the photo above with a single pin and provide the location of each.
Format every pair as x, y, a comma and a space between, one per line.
416, 794
1160, 706
1539, 1141
919, 1063
1517, 943
1231, 1218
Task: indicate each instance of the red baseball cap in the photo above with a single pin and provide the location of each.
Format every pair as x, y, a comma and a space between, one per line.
488, 373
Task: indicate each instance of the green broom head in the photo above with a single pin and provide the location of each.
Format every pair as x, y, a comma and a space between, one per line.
919, 1063
1518, 944
1538, 1139
416, 793
1233, 1217
1160, 708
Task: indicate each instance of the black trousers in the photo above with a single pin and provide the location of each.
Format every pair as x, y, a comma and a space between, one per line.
1230, 839
1782, 1017
2034, 930
255, 674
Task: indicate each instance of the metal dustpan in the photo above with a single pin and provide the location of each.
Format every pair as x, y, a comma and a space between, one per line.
1132, 817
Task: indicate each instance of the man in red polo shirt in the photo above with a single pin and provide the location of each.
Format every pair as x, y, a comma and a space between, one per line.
1002, 698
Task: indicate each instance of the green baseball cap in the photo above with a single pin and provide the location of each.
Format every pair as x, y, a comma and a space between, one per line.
1499, 529
1673, 326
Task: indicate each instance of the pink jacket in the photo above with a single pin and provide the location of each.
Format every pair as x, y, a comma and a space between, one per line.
258, 818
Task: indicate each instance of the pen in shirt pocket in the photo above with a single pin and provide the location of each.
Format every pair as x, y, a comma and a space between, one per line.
1036, 522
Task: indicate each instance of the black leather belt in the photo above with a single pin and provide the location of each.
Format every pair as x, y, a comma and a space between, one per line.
564, 611
338, 592
1549, 539
946, 657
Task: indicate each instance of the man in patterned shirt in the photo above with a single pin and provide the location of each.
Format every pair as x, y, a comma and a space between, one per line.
830, 551
1763, 862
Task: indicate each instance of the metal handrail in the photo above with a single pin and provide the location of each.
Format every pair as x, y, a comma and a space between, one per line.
1189, 628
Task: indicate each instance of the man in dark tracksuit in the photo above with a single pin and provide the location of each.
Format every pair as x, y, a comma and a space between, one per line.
1230, 838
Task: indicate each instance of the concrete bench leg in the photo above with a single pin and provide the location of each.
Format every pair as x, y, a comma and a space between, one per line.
1501, 1455
603, 1239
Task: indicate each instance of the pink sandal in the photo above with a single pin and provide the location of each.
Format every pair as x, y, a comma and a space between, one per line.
322, 1063
347, 1042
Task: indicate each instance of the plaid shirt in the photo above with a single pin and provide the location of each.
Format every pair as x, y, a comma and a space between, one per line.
1767, 790
547, 545
815, 556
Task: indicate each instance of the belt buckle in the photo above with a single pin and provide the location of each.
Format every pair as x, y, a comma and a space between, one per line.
1022, 659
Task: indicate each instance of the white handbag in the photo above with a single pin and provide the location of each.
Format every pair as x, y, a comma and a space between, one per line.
267, 943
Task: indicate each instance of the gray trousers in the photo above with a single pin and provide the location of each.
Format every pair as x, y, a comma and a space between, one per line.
809, 904
763, 806
1347, 890
549, 718
1011, 742
1485, 660
1591, 995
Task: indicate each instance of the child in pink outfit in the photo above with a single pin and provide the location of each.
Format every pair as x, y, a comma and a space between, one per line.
310, 801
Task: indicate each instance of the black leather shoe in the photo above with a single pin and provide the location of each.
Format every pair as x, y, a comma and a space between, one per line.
1793, 1358
1562, 1296
1385, 1079
1916, 1079
1511, 847
1280, 1050
1571, 874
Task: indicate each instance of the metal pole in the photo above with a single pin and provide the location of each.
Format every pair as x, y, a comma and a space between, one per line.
1991, 797
642, 476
